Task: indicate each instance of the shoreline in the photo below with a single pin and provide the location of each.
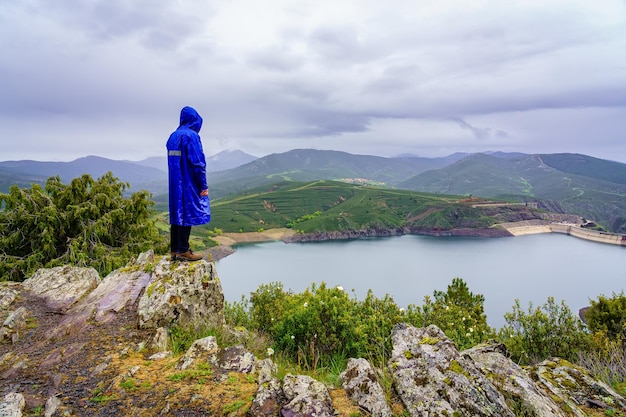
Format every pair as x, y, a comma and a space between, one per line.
227, 240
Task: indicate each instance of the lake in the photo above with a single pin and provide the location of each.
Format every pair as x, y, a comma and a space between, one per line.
529, 268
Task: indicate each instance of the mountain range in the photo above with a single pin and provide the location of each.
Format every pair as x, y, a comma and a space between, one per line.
564, 182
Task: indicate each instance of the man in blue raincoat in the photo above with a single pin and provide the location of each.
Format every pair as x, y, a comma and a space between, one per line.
188, 190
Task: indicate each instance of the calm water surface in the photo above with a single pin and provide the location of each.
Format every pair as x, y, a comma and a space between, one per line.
529, 268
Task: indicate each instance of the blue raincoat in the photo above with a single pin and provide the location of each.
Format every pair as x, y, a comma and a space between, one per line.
187, 172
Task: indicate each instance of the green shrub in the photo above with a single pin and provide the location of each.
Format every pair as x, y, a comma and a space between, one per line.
543, 332
606, 359
317, 322
376, 318
85, 223
608, 315
321, 324
458, 312
266, 305
237, 313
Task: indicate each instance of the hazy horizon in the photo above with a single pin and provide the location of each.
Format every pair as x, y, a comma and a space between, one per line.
256, 156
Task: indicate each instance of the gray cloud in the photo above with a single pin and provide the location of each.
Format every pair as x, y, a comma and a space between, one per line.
480, 133
109, 77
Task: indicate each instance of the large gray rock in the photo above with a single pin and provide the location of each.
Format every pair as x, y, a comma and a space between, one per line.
513, 381
12, 405
204, 349
236, 359
434, 379
266, 370
160, 339
268, 399
188, 294
575, 387
13, 324
115, 292
52, 405
306, 397
7, 294
360, 383
62, 286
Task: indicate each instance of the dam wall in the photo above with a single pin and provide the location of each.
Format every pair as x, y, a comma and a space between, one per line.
541, 226
594, 235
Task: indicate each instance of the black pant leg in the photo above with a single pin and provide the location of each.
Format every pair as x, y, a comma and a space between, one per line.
174, 237
183, 238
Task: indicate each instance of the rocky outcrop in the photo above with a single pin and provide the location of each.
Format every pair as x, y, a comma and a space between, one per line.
575, 387
56, 321
76, 350
204, 349
465, 232
345, 235
188, 293
236, 358
114, 293
306, 397
361, 384
370, 233
513, 381
63, 286
268, 399
433, 378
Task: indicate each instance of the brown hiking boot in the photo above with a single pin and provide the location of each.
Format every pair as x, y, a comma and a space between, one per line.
188, 256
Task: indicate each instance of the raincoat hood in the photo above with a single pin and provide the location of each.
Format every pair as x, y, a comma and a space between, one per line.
190, 118
187, 172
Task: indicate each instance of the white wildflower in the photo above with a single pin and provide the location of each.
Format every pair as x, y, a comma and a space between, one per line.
339, 287
292, 337
401, 310
270, 351
306, 305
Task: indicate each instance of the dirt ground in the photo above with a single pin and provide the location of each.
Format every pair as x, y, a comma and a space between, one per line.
228, 240
105, 371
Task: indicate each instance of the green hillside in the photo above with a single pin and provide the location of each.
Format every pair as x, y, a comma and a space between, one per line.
8, 178
311, 165
590, 187
568, 183
323, 206
587, 166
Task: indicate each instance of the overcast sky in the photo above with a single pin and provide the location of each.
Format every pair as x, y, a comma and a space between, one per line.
430, 78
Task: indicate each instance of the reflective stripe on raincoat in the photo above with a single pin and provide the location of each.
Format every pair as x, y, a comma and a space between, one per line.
187, 172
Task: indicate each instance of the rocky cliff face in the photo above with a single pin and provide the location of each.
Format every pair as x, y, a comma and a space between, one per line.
370, 233
77, 345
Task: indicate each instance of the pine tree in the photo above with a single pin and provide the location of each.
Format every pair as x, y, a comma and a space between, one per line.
85, 223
